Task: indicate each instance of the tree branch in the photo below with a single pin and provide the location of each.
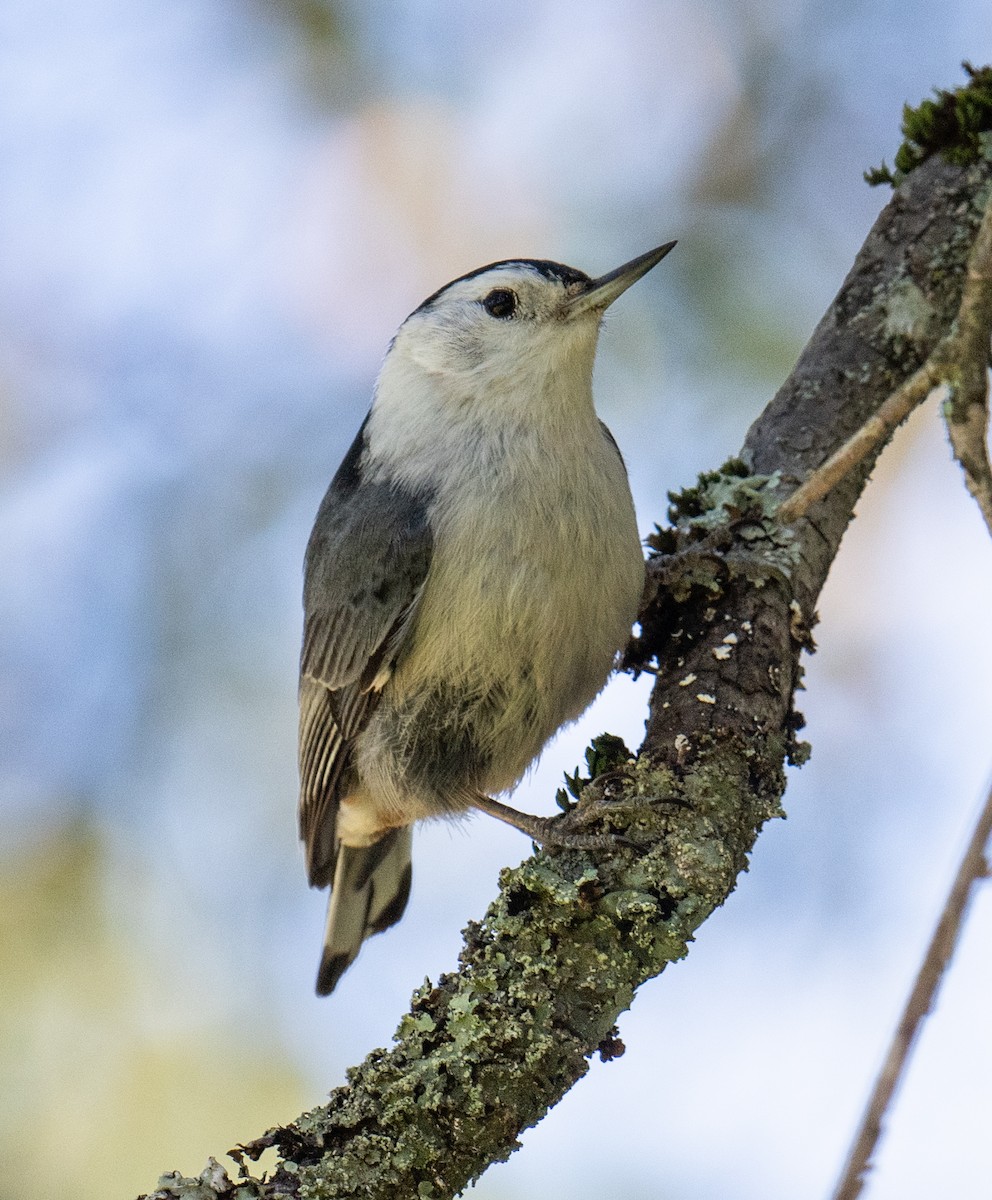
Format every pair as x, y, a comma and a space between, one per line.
959, 360
543, 977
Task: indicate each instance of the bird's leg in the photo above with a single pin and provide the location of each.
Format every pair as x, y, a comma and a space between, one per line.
546, 831
532, 826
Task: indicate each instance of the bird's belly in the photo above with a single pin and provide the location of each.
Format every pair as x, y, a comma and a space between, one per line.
500, 656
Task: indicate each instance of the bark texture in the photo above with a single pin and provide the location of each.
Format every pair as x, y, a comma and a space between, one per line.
544, 976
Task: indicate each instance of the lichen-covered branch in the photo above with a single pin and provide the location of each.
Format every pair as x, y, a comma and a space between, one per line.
544, 976
960, 361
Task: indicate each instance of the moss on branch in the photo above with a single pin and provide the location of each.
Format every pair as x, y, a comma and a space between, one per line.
956, 124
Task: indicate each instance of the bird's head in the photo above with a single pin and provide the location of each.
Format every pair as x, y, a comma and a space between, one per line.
512, 324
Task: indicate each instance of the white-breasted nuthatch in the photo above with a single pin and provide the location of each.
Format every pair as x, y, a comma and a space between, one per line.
472, 574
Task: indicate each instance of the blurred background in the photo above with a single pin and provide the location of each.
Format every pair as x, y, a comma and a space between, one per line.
213, 215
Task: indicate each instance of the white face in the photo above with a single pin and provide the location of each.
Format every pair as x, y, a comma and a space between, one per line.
507, 321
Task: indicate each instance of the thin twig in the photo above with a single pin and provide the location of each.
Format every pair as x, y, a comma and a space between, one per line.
960, 360
973, 867
967, 409
874, 431
969, 441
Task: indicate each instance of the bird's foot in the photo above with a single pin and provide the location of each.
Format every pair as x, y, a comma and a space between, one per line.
553, 833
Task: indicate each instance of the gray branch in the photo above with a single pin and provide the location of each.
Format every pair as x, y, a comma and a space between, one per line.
544, 976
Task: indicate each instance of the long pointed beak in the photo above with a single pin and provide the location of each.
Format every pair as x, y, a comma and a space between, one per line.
600, 293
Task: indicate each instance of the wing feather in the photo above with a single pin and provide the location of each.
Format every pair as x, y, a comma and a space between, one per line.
366, 563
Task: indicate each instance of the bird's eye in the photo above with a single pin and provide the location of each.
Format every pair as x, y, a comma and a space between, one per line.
500, 302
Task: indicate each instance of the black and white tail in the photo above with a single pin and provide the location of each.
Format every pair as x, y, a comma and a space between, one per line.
370, 890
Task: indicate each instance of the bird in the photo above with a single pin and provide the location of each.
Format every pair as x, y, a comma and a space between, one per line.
473, 572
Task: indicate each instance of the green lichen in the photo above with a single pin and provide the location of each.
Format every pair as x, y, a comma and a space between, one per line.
798, 753
694, 502
607, 752
731, 499
908, 313
723, 497
956, 124
212, 1182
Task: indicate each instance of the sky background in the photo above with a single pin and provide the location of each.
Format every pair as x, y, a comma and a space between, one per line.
213, 216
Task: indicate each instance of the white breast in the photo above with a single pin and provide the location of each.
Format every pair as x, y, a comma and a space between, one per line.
534, 586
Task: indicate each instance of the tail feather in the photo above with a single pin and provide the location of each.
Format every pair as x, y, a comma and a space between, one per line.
370, 891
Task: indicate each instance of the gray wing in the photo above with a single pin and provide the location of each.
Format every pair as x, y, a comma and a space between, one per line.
613, 442
366, 563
